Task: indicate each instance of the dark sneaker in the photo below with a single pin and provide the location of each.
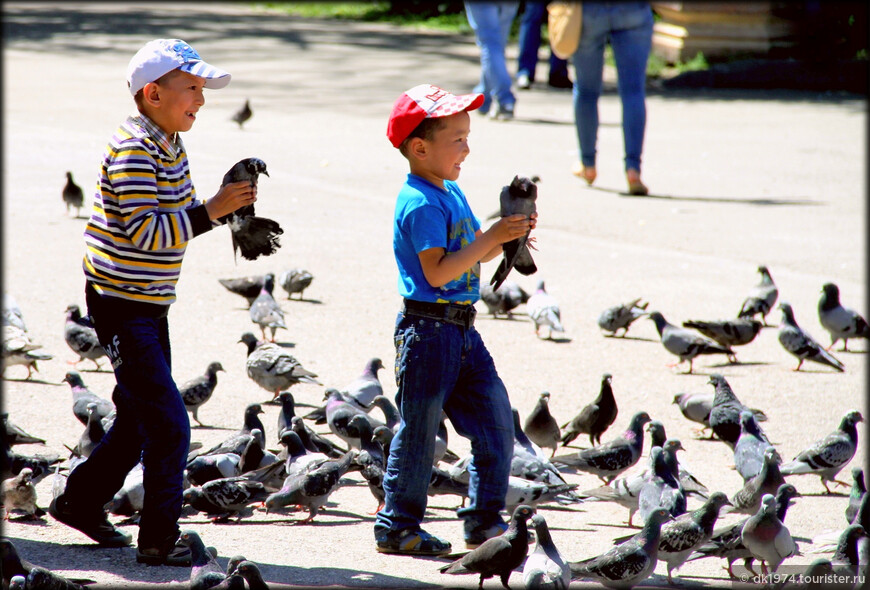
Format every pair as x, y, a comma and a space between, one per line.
178, 556
412, 542
94, 524
475, 537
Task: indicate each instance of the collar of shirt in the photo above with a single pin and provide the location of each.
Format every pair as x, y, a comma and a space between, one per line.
170, 144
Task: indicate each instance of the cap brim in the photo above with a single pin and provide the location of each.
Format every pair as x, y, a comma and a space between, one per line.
215, 78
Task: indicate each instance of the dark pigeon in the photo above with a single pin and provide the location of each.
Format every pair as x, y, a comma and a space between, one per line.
73, 196
81, 337
251, 235
541, 428
244, 113
767, 481
621, 316
311, 489
761, 298
205, 571
504, 299
683, 343
595, 418
225, 497
248, 287
725, 411
82, 396
295, 280
500, 555
518, 197
727, 333
265, 311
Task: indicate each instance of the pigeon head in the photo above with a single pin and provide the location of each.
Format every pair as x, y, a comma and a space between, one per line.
717, 500
523, 187
637, 421
785, 493
293, 443
655, 519
606, 378
544, 398
858, 478
659, 320
851, 419
747, 422
214, 367
74, 379
359, 426
765, 274
768, 504
250, 341
73, 311
256, 166
787, 313
541, 287
656, 433
374, 365
522, 512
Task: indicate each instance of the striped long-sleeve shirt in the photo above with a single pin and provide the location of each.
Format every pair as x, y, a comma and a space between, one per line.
145, 211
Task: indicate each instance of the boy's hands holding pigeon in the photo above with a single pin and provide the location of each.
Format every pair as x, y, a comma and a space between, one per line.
231, 197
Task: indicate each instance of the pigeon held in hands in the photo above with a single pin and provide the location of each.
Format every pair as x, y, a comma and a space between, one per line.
518, 197
253, 236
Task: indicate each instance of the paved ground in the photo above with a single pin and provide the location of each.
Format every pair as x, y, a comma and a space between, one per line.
738, 179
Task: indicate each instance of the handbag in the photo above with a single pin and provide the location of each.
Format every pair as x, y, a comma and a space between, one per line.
564, 22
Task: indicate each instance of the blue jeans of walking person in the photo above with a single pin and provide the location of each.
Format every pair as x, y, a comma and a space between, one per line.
446, 366
534, 15
627, 26
491, 22
151, 421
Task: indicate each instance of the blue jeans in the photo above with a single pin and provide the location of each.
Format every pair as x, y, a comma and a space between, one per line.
534, 15
628, 28
151, 421
491, 22
444, 366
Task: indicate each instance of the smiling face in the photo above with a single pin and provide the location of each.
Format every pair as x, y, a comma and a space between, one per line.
174, 100
440, 158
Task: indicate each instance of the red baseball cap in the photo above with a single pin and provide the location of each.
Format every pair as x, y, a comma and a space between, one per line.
425, 102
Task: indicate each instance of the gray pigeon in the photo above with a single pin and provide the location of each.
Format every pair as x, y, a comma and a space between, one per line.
545, 568
848, 546
205, 571
248, 287
130, 499
517, 198
365, 388
856, 494
621, 316
92, 435
681, 536
541, 428
199, 390
750, 447
761, 297
82, 396
504, 299
798, 342
272, 368
500, 555
670, 446
543, 309
72, 195
225, 497
265, 311
339, 414
81, 337
211, 466
767, 538
629, 563
251, 235
528, 461
286, 413
727, 333
767, 481
595, 418
295, 280
661, 490
696, 407
311, 489
243, 114
609, 459
684, 343
727, 543
841, 322
18, 493
826, 457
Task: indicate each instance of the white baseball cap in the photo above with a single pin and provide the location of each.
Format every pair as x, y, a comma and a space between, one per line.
160, 56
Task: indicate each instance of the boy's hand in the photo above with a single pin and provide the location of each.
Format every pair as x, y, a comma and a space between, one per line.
513, 227
231, 197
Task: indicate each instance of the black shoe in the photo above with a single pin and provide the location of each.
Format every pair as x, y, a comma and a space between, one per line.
178, 556
94, 524
560, 82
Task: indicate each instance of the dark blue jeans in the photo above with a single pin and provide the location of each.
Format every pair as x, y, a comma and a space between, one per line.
445, 366
534, 15
151, 422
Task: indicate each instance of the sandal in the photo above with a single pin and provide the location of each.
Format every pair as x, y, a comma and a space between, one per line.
586, 173
412, 542
635, 186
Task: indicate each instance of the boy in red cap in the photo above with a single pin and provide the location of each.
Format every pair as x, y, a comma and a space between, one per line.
441, 361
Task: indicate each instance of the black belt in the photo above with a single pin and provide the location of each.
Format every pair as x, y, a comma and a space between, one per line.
453, 313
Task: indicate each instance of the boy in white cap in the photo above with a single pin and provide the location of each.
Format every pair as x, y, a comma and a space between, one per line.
441, 360
145, 211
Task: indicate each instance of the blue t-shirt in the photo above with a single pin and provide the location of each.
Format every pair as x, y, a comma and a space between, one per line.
431, 217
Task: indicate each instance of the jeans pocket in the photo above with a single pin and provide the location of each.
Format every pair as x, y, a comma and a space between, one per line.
410, 337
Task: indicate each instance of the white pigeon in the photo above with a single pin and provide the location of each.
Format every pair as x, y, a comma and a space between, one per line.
841, 322
545, 568
544, 311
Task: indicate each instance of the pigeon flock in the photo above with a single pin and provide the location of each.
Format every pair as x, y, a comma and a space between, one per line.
292, 470
287, 469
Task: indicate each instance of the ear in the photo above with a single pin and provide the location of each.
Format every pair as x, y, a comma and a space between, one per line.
151, 93
418, 148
